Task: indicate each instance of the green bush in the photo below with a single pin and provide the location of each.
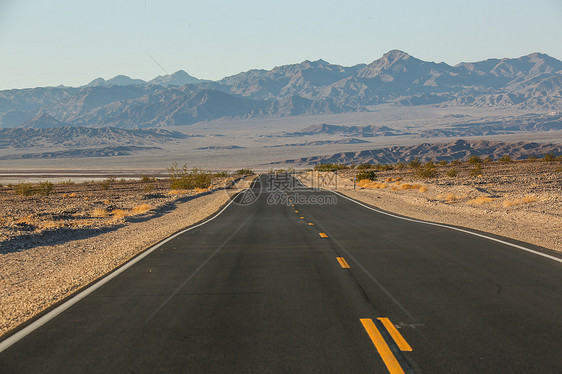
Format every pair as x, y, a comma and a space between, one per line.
452, 173
549, 157
364, 166
456, 162
106, 184
183, 179
330, 167
45, 188
476, 171
415, 163
366, 174
146, 178
245, 172
443, 162
24, 189
473, 159
505, 158
427, 171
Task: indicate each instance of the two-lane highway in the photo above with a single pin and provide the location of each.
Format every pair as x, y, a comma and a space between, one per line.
322, 285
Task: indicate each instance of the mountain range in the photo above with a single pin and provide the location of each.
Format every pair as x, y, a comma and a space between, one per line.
311, 87
456, 150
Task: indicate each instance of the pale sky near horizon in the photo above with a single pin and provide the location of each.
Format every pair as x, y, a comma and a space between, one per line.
72, 42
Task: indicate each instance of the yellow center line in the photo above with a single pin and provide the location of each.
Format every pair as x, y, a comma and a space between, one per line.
296, 211
386, 354
310, 224
343, 262
322, 235
301, 217
398, 338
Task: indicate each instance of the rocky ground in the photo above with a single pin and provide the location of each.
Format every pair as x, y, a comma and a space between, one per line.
52, 245
520, 200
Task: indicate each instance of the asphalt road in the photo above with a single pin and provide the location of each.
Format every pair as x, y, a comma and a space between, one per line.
265, 288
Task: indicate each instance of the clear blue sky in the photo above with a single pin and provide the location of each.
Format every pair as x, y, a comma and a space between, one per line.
71, 42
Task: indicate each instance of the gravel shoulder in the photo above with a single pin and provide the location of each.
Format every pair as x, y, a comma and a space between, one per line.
40, 268
522, 200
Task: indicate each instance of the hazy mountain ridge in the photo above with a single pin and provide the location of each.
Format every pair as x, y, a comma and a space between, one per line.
20, 138
311, 87
459, 149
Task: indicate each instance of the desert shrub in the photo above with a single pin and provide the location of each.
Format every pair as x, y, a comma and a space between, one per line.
505, 158
400, 165
415, 163
330, 167
364, 166
559, 169
385, 167
146, 178
45, 188
367, 174
452, 173
183, 179
487, 160
221, 174
456, 162
443, 162
107, 183
549, 157
476, 171
69, 182
24, 189
532, 158
427, 171
473, 159
245, 171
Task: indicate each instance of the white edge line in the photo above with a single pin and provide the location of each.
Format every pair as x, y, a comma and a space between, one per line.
61, 308
448, 227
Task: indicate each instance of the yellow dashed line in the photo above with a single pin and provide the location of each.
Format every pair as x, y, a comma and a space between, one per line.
398, 338
386, 354
310, 224
301, 217
322, 235
343, 262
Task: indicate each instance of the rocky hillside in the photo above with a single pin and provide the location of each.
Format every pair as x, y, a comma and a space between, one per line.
21, 138
460, 149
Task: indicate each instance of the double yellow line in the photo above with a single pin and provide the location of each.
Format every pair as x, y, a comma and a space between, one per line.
382, 347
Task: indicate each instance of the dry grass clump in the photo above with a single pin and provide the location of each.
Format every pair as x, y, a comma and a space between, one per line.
51, 224
119, 214
177, 192
140, 209
449, 197
365, 183
422, 189
523, 200
480, 200
99, 213
408, 186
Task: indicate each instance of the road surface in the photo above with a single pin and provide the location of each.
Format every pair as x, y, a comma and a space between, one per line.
324, 286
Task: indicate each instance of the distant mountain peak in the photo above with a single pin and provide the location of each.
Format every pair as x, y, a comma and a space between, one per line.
42, 120
396, 54
179, 78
